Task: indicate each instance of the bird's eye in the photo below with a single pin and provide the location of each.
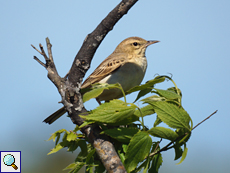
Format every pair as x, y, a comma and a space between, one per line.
135, 43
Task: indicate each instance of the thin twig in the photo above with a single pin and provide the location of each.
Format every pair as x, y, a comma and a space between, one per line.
165, 148
49, 46
157, 145
154, 151
39, 61
43, 52
205, 119
36, 49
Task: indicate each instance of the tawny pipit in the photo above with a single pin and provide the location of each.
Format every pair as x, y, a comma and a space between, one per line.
126, 65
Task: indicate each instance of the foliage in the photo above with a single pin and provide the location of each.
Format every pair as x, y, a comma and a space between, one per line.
138, 147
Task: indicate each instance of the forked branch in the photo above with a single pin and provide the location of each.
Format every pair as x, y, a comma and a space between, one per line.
69, 86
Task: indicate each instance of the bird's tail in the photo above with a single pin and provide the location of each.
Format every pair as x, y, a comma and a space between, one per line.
55, 116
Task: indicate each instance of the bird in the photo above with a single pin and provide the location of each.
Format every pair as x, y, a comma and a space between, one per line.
126, 66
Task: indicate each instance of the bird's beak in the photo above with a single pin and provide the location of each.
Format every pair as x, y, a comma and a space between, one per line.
151, 42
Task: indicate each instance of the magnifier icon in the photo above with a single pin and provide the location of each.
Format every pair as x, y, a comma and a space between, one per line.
9, 160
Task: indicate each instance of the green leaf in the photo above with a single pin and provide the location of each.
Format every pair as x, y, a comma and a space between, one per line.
122, 156
157, 122
137, 150
77, 128
146, 165
154, 98
90, 155
146, 110
90, 163
185, 138
186, 135
64, 138
167, 94
100, 168
82, 144
178, 151
156, 159
171, 114
81, 157
94, 93
175, 90
85, 123
97, 89
73, 145
145, 88
84, 154
156, 163
70, 166
143, 93
148, 84
163, 132
56, 134
124, 147
71, 136
115, 112
75, 167
122, 134
90, 168
56, 148
184, 154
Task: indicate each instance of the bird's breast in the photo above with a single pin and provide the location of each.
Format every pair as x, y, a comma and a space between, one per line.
128, 75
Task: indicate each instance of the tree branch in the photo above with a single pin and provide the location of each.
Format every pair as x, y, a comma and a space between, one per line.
69, 86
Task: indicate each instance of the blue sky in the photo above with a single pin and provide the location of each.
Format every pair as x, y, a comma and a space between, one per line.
194, 48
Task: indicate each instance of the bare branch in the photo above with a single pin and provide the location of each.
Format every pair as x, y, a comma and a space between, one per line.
69, 86
49, 65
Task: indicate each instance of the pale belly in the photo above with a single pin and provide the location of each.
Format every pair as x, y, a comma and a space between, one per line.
129, 75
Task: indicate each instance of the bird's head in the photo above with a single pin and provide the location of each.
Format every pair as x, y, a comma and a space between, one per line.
134, 45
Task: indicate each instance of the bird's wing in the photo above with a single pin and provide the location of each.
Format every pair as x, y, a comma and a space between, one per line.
108, 66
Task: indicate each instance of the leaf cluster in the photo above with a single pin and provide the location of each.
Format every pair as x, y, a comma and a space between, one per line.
138, 146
